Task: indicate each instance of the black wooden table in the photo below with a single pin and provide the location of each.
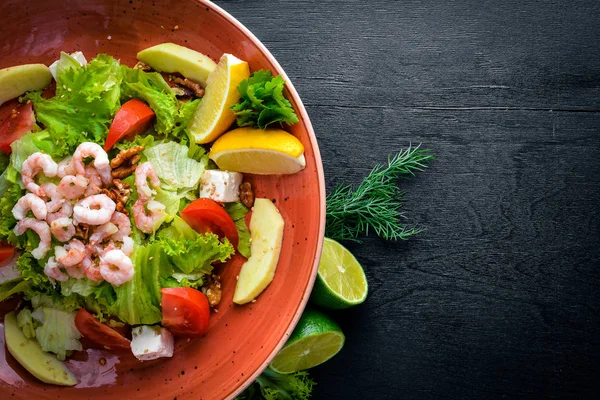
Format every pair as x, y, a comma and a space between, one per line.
499, 297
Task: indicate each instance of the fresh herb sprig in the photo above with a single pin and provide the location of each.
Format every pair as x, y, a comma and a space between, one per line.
375, 203
262, 101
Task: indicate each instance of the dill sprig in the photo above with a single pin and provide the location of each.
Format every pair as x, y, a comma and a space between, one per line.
375, 203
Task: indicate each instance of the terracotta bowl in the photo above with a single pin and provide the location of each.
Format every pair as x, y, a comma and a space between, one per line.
241, 340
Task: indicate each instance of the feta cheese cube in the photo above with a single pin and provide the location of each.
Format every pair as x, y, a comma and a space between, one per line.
151, 342
221, 186
78, 56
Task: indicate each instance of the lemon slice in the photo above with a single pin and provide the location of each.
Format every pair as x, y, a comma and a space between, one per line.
213, 116
256, 151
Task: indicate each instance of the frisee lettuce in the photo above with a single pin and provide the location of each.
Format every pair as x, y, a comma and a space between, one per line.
262, 101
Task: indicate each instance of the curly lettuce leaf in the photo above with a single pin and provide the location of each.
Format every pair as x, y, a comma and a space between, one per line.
237, 212
10, 288
86, 100
138, 301
4, 161
262, 101
177, 171
152, 88
57, 333
9, 196
191, 252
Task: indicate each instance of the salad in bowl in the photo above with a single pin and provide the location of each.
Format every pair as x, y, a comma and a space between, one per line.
123, 193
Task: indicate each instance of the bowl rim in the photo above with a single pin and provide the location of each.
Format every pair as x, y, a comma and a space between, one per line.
321, 182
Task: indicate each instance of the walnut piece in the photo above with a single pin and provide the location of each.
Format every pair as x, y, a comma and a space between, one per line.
126, 156
212, 289
246, 194
195, 87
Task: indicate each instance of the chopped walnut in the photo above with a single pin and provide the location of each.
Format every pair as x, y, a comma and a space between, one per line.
119, 193
194, 87
126, 156
124, 164
143, 66
82, 231
246, 194
212, 289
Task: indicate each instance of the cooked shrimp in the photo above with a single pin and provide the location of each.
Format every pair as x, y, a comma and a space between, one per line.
65, 167
70, 256
102, 232
143, 172
126, 246
145, 222
90, 266
101, 163
30, 202
32, 166
124, 224
43, 231
56, 200
94, 210
95, 181
73, 186
62, 229
115, 267
65, 211
54, 271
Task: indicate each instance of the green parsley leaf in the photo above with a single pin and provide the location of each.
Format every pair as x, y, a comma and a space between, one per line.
263, 102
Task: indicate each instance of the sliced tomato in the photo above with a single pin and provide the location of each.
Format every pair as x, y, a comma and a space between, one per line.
206, 215
98, 333
185, 311
134, 117
16, 120
6, 251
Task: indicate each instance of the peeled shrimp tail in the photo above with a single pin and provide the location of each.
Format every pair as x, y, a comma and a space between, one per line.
143, 172
116, 268
146, 222
101, 162
43, 231
30, 202
62, 229
33, 165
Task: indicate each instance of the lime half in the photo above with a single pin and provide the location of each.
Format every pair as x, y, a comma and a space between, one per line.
315, 340
341, 281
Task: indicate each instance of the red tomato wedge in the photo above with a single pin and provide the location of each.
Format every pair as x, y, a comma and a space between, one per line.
6, 251
134, 117
15, 120
185, 311
98, 333
206, 215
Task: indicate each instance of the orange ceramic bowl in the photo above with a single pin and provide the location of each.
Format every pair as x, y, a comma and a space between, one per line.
241, 340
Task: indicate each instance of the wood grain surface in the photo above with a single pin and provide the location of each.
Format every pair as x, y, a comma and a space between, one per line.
499, 297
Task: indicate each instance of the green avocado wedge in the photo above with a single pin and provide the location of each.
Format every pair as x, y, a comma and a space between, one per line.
44, 366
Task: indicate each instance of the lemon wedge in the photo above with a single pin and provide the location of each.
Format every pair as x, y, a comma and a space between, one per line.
213, 116
256, 151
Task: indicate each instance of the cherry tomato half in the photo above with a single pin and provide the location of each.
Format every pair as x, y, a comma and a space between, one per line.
98, 333
15, 121
185, 311
6, 251
134, 117
206, 215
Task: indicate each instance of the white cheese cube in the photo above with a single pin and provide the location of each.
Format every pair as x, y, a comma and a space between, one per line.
221, 186
151, 342
8, 270
78, 56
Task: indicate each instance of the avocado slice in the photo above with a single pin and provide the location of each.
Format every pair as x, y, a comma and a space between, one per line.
15, 81
171, 57
44, 366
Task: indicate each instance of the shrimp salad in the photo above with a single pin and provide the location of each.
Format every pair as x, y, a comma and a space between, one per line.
115, 219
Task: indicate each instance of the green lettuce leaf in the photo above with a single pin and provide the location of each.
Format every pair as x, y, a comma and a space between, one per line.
57, 333
86, 100
237, 212
190, 252
177, 171
27, 323
10, 288
262, 101
4, 161
184, 116
138, 301
9, 196
152, 88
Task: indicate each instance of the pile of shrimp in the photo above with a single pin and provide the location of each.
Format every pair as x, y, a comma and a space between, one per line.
75, 199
